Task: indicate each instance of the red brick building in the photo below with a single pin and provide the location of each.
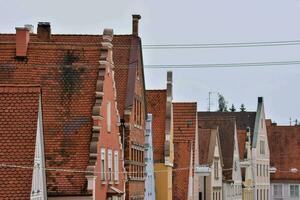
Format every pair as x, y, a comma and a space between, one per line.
185, 183
130, 85
284, 144
159, 104
80, 117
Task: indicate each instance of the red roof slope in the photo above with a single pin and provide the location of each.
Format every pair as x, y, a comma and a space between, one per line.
184, 123
241, 136
156, 105
18, 123
207, 141
66, 67
181, 176
284, 144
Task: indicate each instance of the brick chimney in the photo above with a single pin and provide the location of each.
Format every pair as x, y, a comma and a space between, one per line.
44, 31
22, 40
135, 24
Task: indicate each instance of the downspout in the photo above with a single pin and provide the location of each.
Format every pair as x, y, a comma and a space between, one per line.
204, 188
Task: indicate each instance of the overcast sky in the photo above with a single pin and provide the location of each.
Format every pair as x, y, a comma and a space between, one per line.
197, 21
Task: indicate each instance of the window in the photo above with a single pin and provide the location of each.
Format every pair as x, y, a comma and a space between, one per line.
294, 190
103, 165
216, 168
277, 190
109, 164
262, 147
108, 116
257, 170
116, 165
137, 112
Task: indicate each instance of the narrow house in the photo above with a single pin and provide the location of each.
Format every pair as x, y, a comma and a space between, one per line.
232, 178
159, 104
211, 163
22, 174
130, 85
149, 171
185, 150
284, 144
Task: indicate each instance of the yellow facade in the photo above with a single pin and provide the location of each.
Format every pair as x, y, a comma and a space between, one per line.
163, 181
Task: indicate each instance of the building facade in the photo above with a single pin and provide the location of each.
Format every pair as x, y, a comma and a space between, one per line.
232, 178
159, 103
261, 155
211, 165
130, 86
284, 161
149, 176
80, 117
185, 151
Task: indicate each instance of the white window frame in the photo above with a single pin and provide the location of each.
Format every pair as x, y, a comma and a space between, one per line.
277, 195
108, 116
116, 166
294, 191
103, 164
109, 165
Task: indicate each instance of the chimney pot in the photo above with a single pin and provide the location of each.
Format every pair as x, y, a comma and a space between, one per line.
135, 24
44, 31
22, 40
29, 27
260, 99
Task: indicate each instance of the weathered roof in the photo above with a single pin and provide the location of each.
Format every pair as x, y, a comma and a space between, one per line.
284, 145
226, 128
18, 129
67, 69
156, 105
207, 142
184, 127
243, 119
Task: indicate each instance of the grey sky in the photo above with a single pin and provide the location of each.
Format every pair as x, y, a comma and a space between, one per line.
194, 21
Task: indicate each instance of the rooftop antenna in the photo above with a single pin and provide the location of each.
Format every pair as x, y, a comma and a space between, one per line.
210, 103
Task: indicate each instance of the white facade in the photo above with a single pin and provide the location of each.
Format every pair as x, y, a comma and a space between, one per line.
261, 155
233, 190
285, 191
38, 189
149, 180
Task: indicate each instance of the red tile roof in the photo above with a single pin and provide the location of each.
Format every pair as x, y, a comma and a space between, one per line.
184, 123
207, 139
156, 105
66, 68
226, 129
284, 145
241, 136
18, 123
180, 180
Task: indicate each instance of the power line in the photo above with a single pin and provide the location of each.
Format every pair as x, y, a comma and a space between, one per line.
223, 45
177, 66
222, 65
